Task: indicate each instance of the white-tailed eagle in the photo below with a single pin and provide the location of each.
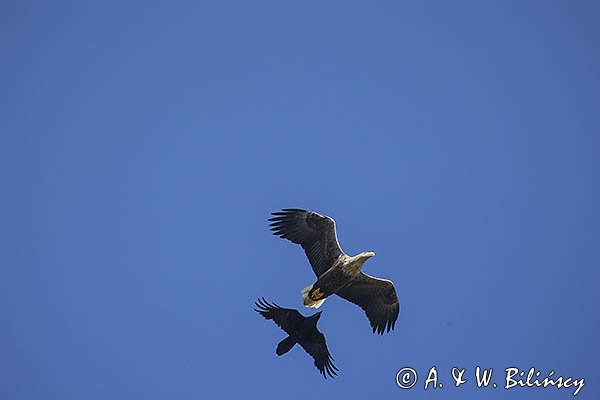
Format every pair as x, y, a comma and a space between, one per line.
337, 272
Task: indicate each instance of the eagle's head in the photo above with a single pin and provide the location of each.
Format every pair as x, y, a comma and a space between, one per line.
366, 255
359, 260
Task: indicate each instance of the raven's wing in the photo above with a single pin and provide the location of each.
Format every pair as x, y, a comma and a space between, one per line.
377, 297
316, 347
286, 318
314, 232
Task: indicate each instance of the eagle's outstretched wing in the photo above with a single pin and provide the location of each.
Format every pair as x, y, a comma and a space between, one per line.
314, 232
286, 318
317, 348
377, 297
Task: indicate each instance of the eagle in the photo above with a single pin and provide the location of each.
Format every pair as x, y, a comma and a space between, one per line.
302, 330
337, 273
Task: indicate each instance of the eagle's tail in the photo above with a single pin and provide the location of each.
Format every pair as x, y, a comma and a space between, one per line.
308, 301
285, 345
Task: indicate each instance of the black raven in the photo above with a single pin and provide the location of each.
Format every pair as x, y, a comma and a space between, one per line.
336, 271
301, 330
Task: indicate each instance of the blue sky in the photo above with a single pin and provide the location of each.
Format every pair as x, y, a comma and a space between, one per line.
145, 144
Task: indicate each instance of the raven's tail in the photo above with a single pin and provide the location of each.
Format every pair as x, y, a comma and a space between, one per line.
285, 345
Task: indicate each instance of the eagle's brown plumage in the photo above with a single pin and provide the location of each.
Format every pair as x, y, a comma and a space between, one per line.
336, 271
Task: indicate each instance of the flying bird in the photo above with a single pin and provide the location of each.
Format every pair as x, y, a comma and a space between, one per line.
336, 271
302, 330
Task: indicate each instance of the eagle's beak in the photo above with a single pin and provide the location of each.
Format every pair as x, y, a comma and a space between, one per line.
370, 254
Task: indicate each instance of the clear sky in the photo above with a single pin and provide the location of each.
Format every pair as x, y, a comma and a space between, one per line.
144, 145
